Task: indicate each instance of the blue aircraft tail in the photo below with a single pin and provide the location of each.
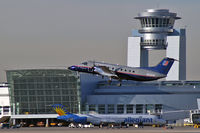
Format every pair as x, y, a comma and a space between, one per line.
164, 66
60, 109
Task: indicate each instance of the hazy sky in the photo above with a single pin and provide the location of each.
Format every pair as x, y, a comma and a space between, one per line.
40, 33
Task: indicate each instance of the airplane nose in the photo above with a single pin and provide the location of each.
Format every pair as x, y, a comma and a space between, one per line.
71, 68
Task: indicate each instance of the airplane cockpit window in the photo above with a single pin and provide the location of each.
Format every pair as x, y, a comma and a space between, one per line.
84, 63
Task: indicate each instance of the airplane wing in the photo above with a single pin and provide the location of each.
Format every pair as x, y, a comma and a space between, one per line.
104, 71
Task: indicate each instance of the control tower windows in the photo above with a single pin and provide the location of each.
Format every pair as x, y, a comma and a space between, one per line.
156, 22
145, 22
153, 22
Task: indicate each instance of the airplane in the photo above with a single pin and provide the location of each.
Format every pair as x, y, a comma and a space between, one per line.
100, 119
119, 72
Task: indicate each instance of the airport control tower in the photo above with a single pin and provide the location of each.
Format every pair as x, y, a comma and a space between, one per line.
157, 33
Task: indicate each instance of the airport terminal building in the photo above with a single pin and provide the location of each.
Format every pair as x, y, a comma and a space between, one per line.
32, 91
157, 97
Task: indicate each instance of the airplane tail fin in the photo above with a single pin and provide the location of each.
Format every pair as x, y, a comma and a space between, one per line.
164, 66
60, 109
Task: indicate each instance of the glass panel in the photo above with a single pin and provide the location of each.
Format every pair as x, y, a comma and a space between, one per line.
139, 108
101, 108
120, 109
157, 25
129, 108
35, 90
149, 108
164, 22
153, 22
111, 109
167, 23
92, 107
145, 22
158, 108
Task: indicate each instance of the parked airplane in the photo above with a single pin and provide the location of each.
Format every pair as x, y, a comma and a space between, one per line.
120, 72
99, 119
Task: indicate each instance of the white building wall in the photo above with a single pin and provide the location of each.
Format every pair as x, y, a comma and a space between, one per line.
173, 51
4, 101
177, 49
133, 52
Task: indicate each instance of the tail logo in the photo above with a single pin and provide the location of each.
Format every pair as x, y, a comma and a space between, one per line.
60, 111
165, 63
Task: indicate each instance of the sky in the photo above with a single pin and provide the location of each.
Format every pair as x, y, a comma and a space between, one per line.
60, 33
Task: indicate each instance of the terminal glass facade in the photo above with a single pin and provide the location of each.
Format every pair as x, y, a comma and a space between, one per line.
33, 91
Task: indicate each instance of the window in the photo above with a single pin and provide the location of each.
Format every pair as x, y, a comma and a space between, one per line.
0, 110
32, 92
129, 108
111, 109
149, 108
120, 109
101, 108
164, 22
49, 98
32, 99
84, 63
160, 22
139, 108
167, 23
145, 22
156, 22
40, 92
92, 107
6, 109
153, 22
40, 98
158, 108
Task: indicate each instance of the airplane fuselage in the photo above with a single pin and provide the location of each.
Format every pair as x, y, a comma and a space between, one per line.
98, 119
119, 71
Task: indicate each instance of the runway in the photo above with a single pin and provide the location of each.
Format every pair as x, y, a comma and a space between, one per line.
104, 130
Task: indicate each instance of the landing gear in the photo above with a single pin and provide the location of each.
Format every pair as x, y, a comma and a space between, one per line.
120, 83
109, 81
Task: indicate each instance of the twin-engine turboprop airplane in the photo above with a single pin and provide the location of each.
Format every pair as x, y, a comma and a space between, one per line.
100, 119
120, 72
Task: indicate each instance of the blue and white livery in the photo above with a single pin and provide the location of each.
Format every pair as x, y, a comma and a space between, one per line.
120, 72
98, 119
